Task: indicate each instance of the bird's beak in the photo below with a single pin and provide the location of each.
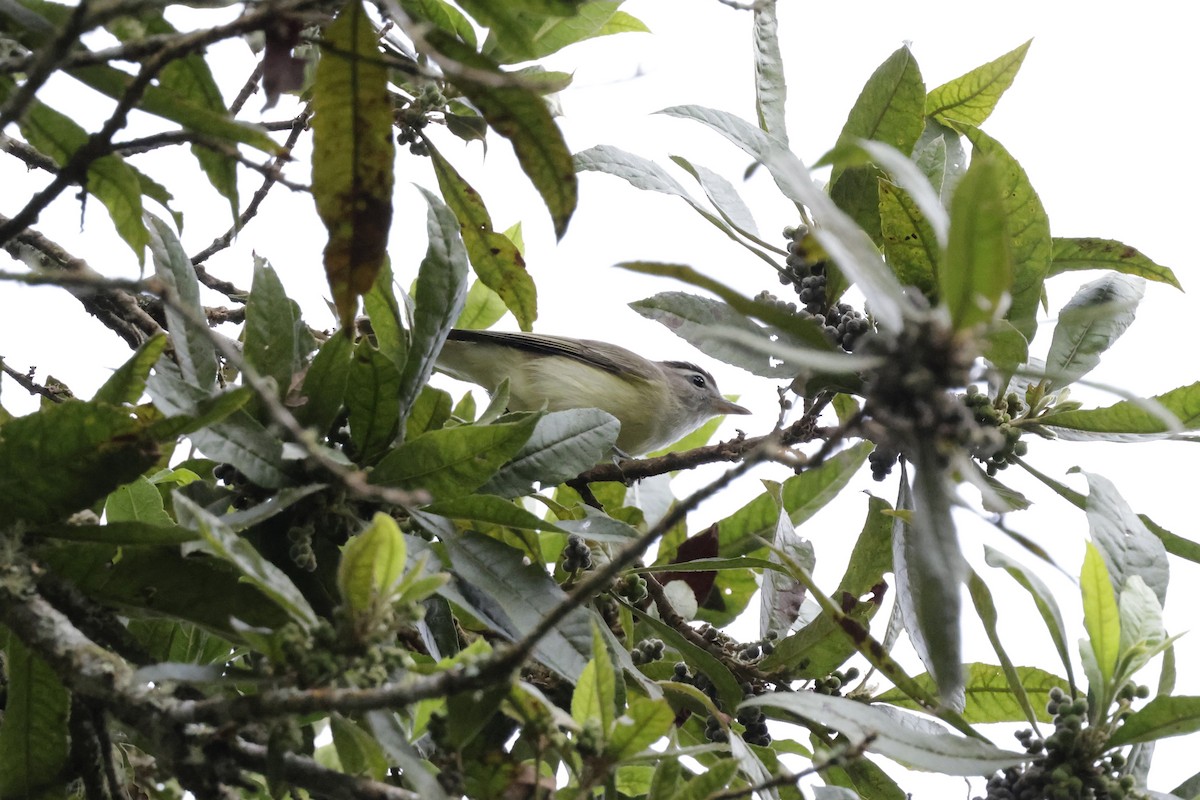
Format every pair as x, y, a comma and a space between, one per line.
728, 407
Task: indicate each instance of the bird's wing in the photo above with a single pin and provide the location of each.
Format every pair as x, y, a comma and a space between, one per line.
602, 355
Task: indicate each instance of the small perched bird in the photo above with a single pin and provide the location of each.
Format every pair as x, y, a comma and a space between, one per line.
656, 402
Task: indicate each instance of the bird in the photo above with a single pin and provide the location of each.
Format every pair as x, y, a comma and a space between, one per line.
656, 402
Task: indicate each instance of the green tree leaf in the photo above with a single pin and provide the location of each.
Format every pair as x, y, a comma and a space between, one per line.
137, 501
1101, 617
929, 573
387, 319
1162, 717
524, 592
444, 16
594, 698
495, 258
770, 84
990, 694
452, 462
1127, 545
353, 152
441, 289
563, 444
483, 308
715, 777
492, 510
324, 386
909, 242
519, 32
357, 749
430, 412
194, 350
1093, 253
890, 109
643, 723
372, 400
880, 732
372, 565
33, 739
891, 106
276, 340
128, 382
66, 457
1029, 231
520, 115
972, 97
1089, 324
977, 272
1133, 420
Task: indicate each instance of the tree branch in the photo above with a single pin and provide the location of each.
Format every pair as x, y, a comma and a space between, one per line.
309, 774
502, 662
801, 431
109, 301
299, 125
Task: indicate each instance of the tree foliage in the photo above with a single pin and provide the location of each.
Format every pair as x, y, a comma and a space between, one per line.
282, 561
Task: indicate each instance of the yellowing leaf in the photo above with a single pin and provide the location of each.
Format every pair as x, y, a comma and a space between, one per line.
352, 156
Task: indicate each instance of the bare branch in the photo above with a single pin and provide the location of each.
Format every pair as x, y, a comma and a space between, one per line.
305, 772
299, 125
112, 302
800, 432
43, 63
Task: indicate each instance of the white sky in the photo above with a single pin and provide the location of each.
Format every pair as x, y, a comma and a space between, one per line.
1099, 116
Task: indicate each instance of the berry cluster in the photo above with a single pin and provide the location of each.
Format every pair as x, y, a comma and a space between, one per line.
805, 271
633, 589
713, 730
245, 493
753, 651
882, 459
910, 399
755, 722
412, 118
805, 268
1003, 439
1070, 765
577, 556
300, 547
832, 683
648, 650
321, 656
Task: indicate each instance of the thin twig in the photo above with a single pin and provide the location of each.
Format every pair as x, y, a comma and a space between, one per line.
42, 64
113, 302
25, 381
802, 431
299, 124
95, 147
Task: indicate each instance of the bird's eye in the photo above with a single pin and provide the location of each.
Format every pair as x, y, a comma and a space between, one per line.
698, 381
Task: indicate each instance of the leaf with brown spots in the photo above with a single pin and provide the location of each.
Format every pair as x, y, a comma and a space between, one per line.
495, 258
1093, 253
352, 156
518, 113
